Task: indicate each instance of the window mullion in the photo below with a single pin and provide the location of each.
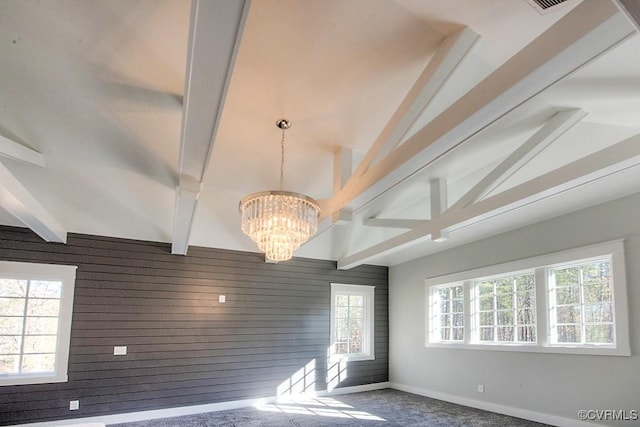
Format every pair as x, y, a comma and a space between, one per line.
24, 326
514, 311
495, 313
583, 329
542, 307
466, 304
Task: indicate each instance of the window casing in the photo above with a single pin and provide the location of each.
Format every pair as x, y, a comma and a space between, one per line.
36, 303
567, 302
352, 321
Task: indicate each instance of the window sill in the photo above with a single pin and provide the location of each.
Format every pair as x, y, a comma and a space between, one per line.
24, 379
535, 348
357, 357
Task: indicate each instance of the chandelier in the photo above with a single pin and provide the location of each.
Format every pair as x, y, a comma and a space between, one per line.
279, 222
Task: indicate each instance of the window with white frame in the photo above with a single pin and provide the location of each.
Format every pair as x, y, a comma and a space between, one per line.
581, 303
35, 322
447, 303
505, 308
567, 302
352, 321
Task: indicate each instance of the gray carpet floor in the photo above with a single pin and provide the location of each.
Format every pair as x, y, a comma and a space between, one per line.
384, 408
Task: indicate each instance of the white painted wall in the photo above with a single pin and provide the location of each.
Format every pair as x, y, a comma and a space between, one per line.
555, 384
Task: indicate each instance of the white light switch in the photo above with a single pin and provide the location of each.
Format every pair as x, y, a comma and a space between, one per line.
74, 405
222, 298
120, 350
480, 388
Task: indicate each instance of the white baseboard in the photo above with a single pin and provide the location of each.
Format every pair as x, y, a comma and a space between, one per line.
494, 407
190, 410
354, 389
235, 404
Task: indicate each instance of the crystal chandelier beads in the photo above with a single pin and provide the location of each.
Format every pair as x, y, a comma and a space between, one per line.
279, 222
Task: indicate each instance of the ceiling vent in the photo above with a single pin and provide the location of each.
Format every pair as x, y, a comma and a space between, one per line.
547, 6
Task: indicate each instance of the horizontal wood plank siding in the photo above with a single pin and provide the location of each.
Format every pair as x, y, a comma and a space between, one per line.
184, 347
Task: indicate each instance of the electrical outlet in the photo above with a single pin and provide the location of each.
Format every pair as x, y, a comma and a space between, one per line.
120, 350
480, 388
222, 298
74, 405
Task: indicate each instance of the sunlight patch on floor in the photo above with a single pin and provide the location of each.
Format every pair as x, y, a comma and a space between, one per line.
317, 406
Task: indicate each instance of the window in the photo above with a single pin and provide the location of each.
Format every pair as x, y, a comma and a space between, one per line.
581, 303
35, 322
505, 308
448, 309
352, 321
567, 302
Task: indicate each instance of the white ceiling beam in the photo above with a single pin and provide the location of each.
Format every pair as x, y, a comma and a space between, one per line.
438, 197
187, 195
214, 39
20, 203
342, 169
438, 205
449, 55
394, 223
583, 34
13, 150
588, 169
632, 9
554, 128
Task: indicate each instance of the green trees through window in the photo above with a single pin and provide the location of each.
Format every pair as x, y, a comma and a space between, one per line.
506, 308
352, 321
581, 302
567, 302
29, 311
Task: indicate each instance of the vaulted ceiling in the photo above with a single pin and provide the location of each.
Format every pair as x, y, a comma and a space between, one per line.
419, 125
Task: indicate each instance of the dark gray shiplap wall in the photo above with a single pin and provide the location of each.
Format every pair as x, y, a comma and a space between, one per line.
185, 348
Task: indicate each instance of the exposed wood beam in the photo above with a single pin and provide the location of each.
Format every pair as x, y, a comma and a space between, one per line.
214, 39
583, 34
16, 151
20, 203
449, 55
556, 126
595, 166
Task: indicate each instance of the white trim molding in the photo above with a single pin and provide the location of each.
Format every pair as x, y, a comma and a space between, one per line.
130, 417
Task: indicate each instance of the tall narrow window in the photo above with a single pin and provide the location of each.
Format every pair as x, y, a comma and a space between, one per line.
447, 304
35, 320
352, 321
581, 303
505, 308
